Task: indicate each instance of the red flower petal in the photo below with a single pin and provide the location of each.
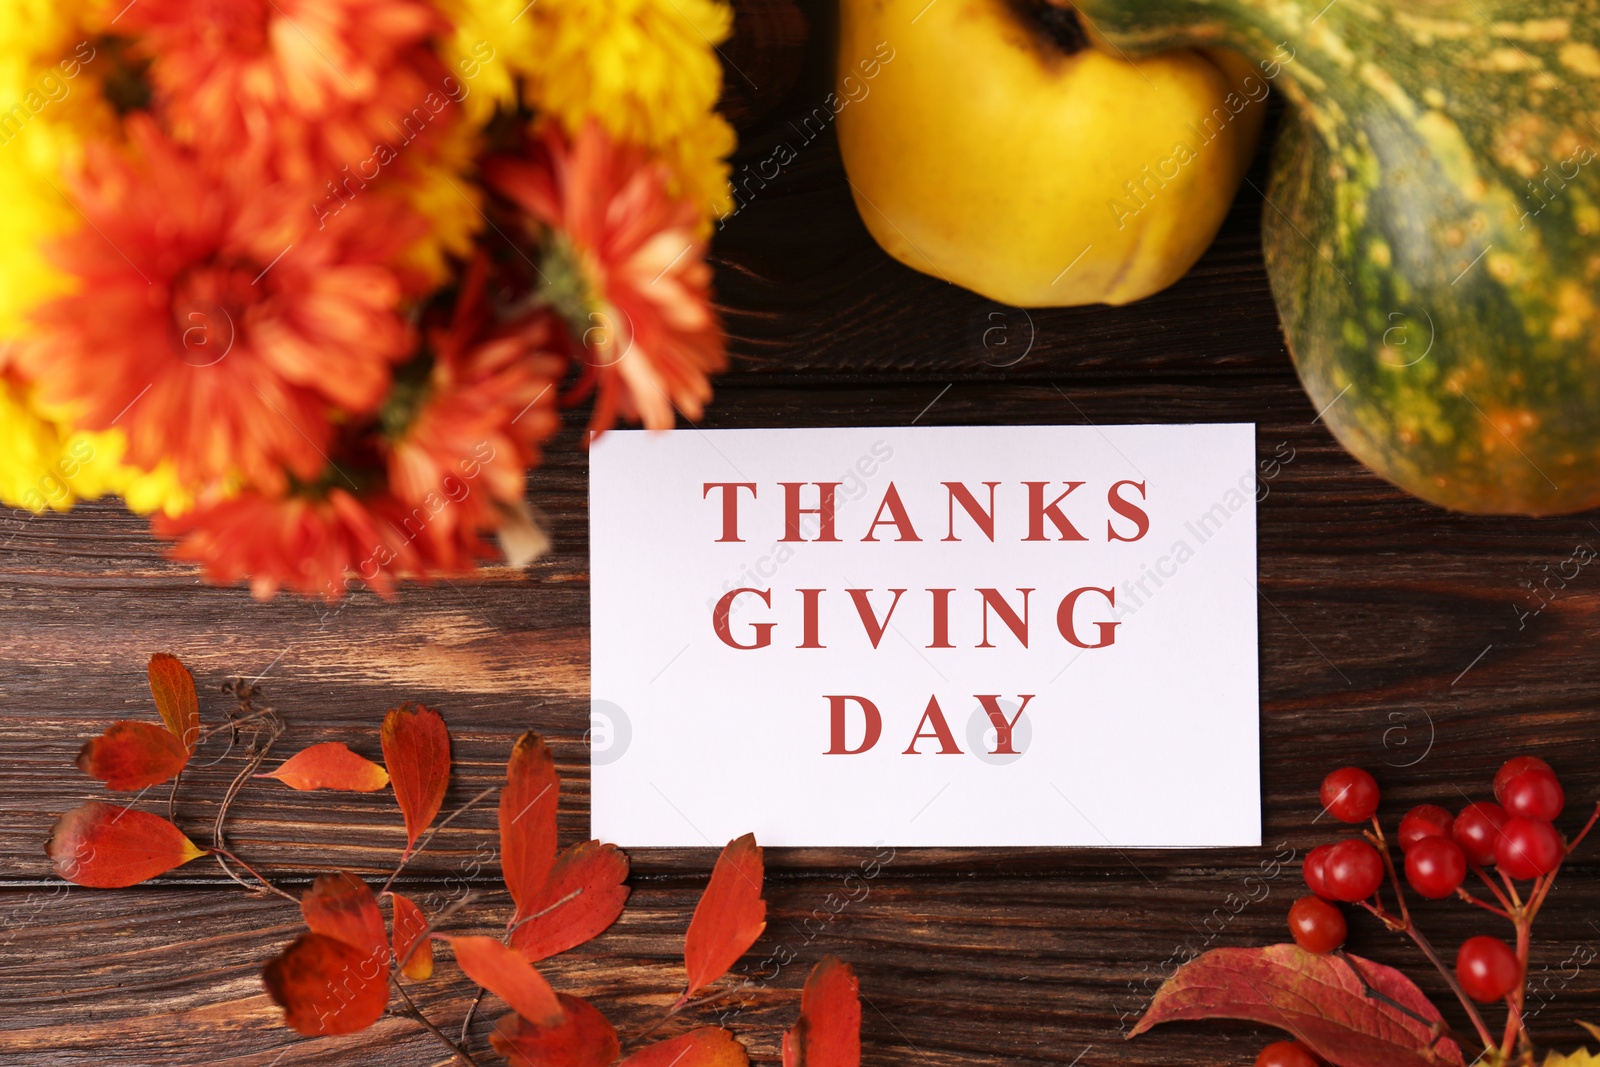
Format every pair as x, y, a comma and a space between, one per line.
528, 821
330, 766
133, 755
828, 1033
591, 875
709, 1046
107, 847
582, 1039
326, 986
729, 917
409, 924
504, 972
416, 749
173, 687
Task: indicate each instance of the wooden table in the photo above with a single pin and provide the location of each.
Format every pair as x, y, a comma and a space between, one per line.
1393, 635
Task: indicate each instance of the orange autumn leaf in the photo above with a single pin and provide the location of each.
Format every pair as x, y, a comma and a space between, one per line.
410, 929
504, 972
582, 897
730, 916
709, 1046
133, 755
342, 906
416, 750
330, 766
107, 847
326, 986
528, 822
173, 688
583, 1038
828, 1032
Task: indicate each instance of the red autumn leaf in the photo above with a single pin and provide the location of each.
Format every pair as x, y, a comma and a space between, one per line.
729, 917
583, 1038
709, 1046
583, 896
330, 766
1318, 999
828, 1032
528, 822
504, 972
133, 755
341, 906
107, 847
335, 979
416, 750
326, 986
409, 927
173, 687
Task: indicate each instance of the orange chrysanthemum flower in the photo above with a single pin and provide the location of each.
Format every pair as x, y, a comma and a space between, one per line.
219, 326
624, 266
294, 89
316, 546
476, 422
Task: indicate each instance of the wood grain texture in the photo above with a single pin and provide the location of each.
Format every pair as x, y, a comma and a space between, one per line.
1392, 634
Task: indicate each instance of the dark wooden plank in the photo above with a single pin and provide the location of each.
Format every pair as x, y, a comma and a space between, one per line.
986, 971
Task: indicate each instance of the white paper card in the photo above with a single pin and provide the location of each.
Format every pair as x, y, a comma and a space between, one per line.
1132, 655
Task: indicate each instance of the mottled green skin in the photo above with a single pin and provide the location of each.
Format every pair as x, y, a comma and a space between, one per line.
1468, 377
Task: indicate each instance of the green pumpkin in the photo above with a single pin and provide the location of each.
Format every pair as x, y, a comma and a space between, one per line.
1430, 232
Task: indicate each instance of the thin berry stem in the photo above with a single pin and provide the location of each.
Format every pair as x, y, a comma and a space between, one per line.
1483, 875
1519, 989
1461, 891
1394, 876
1455, 986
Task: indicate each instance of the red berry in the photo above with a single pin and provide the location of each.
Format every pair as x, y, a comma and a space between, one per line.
1477, 831
1424, 820
1528, 847
1312, 869
1534, 793
1486, 968
1353, 871
1287, 1054
1513, 767
1350, 794
1317, 926
1435, 866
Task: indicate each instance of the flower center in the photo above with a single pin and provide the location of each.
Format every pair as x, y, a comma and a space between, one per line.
206, 307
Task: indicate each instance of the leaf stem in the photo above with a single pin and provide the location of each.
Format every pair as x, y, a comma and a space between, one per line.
219, 853
428, 837
427, 1024
427, 931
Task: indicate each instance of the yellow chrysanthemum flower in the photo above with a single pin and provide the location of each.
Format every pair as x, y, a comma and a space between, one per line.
1581, 1058
648, 71
492, 43
50, 100
442, 191
46, 464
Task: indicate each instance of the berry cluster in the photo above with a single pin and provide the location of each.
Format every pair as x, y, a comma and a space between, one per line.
1514, 834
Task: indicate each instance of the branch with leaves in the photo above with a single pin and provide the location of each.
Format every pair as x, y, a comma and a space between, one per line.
350, 967
1352, 1012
